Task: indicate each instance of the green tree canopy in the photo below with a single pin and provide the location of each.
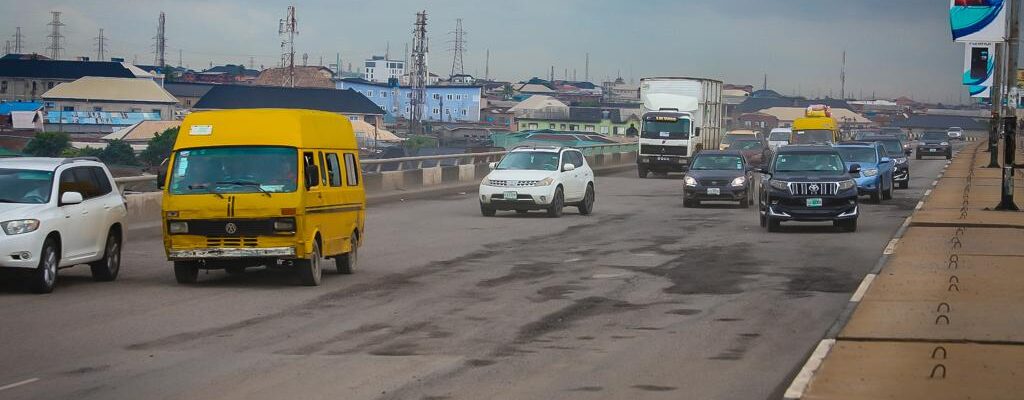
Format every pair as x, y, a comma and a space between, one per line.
119, 152
159, 147
48, 144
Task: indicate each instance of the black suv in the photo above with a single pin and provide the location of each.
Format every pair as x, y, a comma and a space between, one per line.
808, 183
934, 143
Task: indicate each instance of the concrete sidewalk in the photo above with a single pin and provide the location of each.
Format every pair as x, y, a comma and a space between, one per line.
941, 319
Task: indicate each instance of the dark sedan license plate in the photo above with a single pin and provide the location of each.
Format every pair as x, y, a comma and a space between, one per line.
932, 150
664, 159
815, 202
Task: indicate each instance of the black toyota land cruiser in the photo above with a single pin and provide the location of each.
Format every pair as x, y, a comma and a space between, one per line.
808, 183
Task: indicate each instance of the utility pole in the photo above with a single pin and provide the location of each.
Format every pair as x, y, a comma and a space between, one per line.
842, 79
1010, 117
18, 39
487, 66
56, 48
995, 95
179, 59
252, 62
161, 43
305, 59
419, 73
586, 69
458, 48
552, 79
101, 46
287, 28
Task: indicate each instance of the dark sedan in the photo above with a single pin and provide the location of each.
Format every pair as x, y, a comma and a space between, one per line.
934, 144
717, 176
754, 150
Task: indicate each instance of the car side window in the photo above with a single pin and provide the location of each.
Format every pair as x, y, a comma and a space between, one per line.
351, 169
323, 169
102, 181
309, 163
333, 169
578, 159
81, 180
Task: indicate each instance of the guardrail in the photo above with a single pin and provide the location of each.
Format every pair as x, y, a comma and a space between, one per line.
414, 163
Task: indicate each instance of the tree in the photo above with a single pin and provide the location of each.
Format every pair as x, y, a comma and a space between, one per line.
48, 144
84, 152
119, 152
415, 143
159, 147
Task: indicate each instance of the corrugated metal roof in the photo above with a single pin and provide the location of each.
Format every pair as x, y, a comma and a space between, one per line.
129, 90
941, 122
7, 107
226, 97
63, 69
142, 131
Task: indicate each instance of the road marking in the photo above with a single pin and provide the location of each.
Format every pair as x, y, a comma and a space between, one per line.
906, 223
16, 384
920, 204
863, 288
891, 247
927, 193
799, 385
935, 183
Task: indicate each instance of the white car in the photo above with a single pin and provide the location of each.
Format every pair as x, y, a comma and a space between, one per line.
955, 133
539, 178
57, 213
779, 137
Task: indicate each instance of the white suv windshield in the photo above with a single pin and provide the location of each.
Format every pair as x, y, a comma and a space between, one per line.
25, 186
530, 160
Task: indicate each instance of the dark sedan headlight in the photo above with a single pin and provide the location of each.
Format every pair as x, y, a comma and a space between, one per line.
779, 185
690, 181
901, 160
847, 184
944, 144
739, 181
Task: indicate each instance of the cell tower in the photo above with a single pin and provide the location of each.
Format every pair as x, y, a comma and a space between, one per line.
287, 28
18, 39
7, 47
842, 78
56, 48
487, 66
418, 74
161, 43
458, 48
101, 46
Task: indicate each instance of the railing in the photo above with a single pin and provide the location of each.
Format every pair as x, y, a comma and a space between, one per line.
408, 163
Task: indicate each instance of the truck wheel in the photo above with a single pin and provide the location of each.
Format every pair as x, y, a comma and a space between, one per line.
106, 268
773, 224
311, 269
642, 171
557, 203
186, 272
346, 263
44, 277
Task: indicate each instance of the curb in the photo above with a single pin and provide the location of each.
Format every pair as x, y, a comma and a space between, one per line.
800, 383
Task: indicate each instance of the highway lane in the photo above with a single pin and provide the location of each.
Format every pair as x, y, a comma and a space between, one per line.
644, 299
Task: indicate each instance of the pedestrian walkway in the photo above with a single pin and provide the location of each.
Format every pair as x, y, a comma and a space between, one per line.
942, 318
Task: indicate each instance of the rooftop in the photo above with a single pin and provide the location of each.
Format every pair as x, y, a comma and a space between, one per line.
222, 97
92, 88
66, 69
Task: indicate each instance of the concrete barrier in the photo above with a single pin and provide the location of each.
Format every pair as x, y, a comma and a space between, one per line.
143, 209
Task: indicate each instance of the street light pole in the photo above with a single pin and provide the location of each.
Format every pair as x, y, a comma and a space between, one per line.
995, 96
1010, 113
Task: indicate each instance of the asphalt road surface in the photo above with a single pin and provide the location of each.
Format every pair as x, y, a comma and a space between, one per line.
642, 300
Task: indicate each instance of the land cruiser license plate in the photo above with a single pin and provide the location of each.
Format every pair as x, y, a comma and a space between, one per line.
664, 159
931, 150
815, 202
714, 191
511, 195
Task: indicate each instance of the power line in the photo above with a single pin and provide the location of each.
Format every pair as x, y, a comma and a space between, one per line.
101, 47
419, 74
56, 48
161, 43
18, 39
487, 66
458, 49
287, 28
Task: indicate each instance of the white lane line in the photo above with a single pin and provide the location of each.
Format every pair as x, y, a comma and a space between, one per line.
863, 288
927, 193
935, 183
906, 223
920, 204
891, 247
799, 385
16, 384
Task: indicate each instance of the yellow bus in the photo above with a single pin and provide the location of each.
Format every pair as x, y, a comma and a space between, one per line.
263, 187
816, 127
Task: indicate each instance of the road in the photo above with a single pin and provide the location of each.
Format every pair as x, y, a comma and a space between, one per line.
642, 300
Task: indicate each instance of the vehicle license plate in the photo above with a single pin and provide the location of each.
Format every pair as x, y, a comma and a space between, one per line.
815, 202
932, 150
664, 159
511, 195
714, 191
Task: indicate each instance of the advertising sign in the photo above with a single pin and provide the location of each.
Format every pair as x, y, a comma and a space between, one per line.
980, 91
978, 20
979, 63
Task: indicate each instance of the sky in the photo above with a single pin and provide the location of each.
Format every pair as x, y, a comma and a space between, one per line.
894, 48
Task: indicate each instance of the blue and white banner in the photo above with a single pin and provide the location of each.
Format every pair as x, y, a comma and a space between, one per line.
978, 20
979, 63
980, 91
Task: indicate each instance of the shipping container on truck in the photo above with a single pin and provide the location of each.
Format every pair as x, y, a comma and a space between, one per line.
681, 116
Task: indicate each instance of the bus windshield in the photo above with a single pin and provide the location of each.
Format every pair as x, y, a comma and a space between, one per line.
816, 136
235, 170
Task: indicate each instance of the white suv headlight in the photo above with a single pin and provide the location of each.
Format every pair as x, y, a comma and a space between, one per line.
690, 181
546, 181
20, 226
848, 184
739, 181
870, 172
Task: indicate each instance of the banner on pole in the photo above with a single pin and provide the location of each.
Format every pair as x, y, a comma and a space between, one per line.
980, 91
979, 63
978, 20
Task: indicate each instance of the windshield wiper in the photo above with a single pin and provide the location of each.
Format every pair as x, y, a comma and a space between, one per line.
7, 201
246, 183
208, 188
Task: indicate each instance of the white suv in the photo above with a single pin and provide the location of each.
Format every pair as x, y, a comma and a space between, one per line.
57, 213
539, 178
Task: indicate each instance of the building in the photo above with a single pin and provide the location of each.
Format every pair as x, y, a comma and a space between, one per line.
24, 115
539, 107
28, 78
619, 91
139, 134
99, 94
603, 121
444, 102
188, 94
919, 123
756, 121
380, 69
347, 102
846, 118
305, 77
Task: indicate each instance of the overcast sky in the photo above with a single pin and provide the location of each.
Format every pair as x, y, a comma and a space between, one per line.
893, 48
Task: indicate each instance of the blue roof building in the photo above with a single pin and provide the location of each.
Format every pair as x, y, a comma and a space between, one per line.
446, 103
